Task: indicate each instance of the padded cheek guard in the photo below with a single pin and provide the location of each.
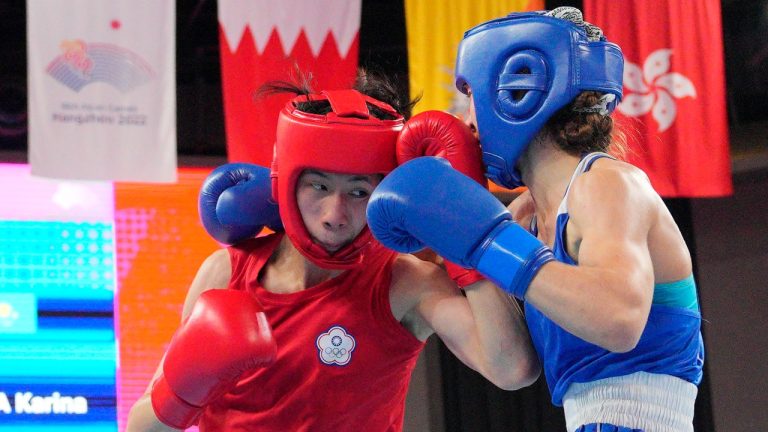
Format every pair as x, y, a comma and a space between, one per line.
347, 140
523, 68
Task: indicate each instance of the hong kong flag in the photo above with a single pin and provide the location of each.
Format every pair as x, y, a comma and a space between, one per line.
265, 40
674, 112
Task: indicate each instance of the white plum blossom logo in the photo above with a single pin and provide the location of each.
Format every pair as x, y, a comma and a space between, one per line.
335, 346
655, 88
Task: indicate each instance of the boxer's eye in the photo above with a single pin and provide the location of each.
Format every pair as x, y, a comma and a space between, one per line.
359, 193
318, 186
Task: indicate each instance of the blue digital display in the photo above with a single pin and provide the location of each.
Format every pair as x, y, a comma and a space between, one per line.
58, 355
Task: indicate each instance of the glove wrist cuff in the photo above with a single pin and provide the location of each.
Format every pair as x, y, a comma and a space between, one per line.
511, 257
170, 409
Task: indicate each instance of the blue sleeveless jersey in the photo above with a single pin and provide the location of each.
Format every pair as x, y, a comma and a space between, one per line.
671, 343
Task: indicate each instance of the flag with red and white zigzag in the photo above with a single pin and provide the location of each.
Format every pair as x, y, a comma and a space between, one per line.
265, 40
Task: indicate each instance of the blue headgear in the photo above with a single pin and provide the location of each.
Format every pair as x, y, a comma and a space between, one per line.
551, 59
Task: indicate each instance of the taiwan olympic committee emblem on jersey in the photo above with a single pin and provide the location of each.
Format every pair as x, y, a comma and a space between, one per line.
335, 346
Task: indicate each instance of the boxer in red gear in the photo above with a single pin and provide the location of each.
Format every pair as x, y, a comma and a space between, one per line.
348, 316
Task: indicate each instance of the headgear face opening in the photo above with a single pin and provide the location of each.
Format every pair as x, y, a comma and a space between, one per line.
347, 140
522, 69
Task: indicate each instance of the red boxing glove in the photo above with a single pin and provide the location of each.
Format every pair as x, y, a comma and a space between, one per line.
463, 277
226, 334
438, 133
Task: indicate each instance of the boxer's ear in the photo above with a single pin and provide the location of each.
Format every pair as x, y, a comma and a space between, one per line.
522, 84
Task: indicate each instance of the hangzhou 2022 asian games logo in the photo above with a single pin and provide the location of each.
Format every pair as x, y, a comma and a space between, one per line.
82, 63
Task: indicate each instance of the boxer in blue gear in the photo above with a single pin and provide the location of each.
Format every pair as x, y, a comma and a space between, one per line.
590, 247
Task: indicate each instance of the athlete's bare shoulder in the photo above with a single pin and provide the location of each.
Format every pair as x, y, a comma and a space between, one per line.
214, 273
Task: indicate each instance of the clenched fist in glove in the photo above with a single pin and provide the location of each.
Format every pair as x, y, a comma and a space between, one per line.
225, 335
438, 133
235, 202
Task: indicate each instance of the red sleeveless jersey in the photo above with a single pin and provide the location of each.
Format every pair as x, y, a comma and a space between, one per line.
343, 361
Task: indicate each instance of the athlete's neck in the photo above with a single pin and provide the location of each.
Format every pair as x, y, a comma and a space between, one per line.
546, 170
289, 271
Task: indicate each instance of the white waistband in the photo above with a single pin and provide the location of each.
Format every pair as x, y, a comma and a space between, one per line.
651, 402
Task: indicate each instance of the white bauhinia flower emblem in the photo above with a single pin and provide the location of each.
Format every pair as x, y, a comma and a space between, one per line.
655, 89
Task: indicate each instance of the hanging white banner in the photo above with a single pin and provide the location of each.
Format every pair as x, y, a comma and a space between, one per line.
102, 89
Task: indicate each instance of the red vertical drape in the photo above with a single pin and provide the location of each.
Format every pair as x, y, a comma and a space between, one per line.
262, 41
673, 112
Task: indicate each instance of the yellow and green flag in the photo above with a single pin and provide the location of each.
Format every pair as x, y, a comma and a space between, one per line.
434, 29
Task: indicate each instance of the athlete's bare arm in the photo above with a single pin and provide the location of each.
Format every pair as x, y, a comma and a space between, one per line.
485, 329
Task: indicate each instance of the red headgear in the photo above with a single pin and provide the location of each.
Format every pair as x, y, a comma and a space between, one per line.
347, 140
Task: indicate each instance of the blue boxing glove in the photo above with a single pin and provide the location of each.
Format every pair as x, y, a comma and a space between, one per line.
425, 202
235, 202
